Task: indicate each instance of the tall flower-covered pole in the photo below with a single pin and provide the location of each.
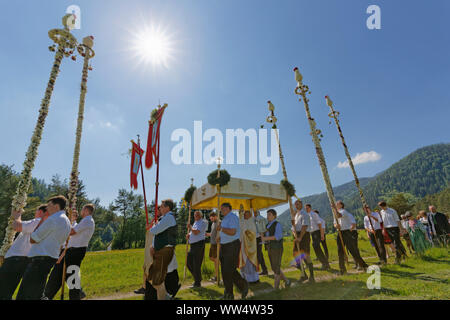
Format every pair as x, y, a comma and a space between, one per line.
65, 43
290, 190
302, 90
86, 51
335, 115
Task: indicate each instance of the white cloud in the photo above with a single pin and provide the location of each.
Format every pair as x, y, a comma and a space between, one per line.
360, 158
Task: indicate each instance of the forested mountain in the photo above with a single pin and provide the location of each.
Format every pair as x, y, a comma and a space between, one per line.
426, 171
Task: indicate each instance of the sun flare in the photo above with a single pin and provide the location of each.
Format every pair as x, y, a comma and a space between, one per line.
153, 46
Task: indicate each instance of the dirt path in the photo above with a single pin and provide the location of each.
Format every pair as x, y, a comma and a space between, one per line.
126, 295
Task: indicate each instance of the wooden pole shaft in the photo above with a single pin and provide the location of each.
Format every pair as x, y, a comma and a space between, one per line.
187, 244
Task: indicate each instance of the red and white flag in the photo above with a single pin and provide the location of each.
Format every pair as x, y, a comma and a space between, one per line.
152, 155
136, 158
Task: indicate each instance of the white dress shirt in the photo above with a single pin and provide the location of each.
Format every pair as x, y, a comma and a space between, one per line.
376, 224
390, 218
84, 231
346, 220
322, 221
261, 224
21, 246
199, 225
50, 236
430, 216
301, 219
315, 221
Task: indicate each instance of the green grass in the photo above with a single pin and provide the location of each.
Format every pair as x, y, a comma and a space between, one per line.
120, 271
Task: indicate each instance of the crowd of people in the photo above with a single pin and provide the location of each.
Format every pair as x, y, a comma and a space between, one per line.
50, 246
43, 247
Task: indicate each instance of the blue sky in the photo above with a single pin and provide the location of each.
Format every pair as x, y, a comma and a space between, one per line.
230, 57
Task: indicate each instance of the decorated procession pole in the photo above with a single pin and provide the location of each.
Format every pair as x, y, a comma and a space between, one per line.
218, 179
86, 51
302, 90
290, 189
66, 43
335, 115
188, 199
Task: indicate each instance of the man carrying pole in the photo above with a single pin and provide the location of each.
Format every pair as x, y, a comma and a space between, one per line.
335, 115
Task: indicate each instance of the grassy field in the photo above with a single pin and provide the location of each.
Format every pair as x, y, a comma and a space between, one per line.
118, 272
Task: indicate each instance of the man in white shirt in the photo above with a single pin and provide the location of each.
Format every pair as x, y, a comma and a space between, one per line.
196, 238
394, 229
303, 240
16, 258
317, 234
80, 235
372, 219
46, 243
261, 224
346, 223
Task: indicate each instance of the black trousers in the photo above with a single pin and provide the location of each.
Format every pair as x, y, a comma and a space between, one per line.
259, 254
34, 278
355, 240
317, 249
195, 260
394, 234
229, 261
171, 283
349, 242
378, 241
324, 246
74, 256
11, 272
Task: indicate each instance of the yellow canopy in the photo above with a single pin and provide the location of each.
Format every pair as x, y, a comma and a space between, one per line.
249, 193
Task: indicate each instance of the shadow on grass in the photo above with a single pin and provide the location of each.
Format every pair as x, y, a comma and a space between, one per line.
434, 260
336, 289
413, 275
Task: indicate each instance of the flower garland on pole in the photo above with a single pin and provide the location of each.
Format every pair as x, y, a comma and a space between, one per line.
86, 51
335, 115
302, 90
65, 42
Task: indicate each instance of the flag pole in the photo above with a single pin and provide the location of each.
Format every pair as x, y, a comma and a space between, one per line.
143, 184
335, 114
302, 90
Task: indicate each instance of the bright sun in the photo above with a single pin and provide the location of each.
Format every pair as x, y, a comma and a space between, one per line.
151, 45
